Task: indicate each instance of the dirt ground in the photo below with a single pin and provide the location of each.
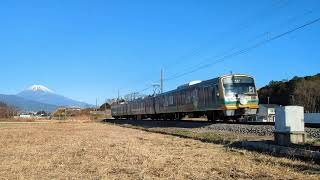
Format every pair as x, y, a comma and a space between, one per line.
91, 150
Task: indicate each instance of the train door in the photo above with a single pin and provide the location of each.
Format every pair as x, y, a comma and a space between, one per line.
215, 95
207, 96
195, 98
202, 97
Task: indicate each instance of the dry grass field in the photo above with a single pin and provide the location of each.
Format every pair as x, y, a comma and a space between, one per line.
91, 150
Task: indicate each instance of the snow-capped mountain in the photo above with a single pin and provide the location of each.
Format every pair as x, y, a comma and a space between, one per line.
25, 104
40, 88
45, 95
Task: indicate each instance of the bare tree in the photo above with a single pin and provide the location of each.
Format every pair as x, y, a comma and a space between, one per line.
307, 94
7, 111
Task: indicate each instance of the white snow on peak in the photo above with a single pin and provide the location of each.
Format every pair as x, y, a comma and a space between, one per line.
40, 88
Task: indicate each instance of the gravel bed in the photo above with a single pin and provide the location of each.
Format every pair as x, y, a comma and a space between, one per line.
261, 130
313, 132
242, 129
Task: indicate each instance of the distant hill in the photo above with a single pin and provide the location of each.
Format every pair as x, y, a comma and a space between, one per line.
304, 91
40, 98
43, 94
25, 104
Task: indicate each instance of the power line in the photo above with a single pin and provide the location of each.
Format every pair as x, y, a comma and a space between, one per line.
161, 85
240, 27
230, 50
266, 33
243, 26
245, 50
241, 51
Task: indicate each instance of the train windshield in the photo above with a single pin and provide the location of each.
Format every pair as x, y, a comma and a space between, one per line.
239, 85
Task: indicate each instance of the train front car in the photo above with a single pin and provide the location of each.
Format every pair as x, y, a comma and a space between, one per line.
240, 98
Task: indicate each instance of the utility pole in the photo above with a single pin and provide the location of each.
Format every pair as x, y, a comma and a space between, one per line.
118, 95
161, 81
105, 105
96, 104
268, 100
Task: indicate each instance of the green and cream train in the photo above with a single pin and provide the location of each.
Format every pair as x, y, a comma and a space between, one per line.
227, 97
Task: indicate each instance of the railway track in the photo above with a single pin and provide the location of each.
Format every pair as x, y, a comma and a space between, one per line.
257, 128
202, 121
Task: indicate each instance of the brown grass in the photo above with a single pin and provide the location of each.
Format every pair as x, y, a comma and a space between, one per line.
18, 120
102, 151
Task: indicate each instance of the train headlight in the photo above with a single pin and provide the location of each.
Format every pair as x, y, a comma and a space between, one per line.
243, 101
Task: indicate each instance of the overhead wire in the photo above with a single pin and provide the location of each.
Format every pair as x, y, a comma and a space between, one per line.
237, 28
223, 58
263, 34
243, 26
246, 50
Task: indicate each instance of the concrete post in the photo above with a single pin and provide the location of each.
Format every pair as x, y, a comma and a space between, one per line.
289, 125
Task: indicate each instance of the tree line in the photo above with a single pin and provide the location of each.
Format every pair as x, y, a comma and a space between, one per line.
7, 111
302, 91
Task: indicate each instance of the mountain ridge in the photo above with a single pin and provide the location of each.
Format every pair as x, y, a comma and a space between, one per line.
43, 94
25, 104
40, 98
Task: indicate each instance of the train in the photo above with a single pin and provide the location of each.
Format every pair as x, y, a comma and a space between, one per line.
228, 97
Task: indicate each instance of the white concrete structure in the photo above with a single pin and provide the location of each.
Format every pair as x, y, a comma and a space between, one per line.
289, 119
312, 118
289, 125
266, 113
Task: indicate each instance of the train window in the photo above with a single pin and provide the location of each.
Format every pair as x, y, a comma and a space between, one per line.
166, 101
239, 85
170, 100
236, 79
182, 98
251, 89
243, 88
177, 99
188, 97
195, 95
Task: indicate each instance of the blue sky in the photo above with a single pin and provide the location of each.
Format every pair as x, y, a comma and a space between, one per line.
90, 49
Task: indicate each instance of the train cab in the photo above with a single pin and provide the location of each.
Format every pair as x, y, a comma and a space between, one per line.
240, 97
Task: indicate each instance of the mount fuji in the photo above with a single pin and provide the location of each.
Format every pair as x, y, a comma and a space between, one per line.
42, 94
25, 104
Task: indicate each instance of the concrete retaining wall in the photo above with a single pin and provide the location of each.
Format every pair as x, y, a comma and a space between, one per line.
282, 150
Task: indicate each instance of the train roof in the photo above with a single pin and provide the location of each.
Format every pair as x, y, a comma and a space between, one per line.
188, 85
228, 75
